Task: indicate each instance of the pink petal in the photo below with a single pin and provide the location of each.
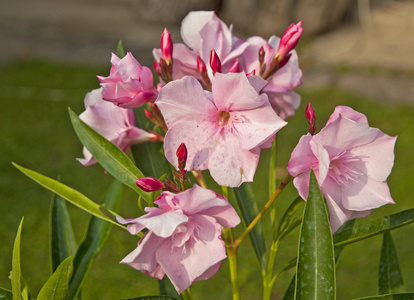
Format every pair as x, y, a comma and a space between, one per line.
161, 223
184, 99
183, 265
233, 91
344, 134
378, 156
365, 194
348, 113
301, 183
302, 158
144, 257
284, 104
215, 35
286, 78
192, 25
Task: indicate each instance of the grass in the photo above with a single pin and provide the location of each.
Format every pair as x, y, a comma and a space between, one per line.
36, 133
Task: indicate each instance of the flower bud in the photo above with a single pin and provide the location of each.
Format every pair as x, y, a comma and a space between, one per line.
234, 67
215, 62
157, 68
261, 60
166, 46
182, 156
252, 73
201, 66
149, 184
310, 116
289, 39
149, 115
284, 61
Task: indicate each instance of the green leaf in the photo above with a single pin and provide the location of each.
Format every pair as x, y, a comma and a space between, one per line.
16, 271
248, 208
112, 159
162, 297
287, 217
71, 195
62, 239
290, 292
378, 226
96, 235
338, 250
315, 271
401, 296
120, 52
6, 294
390, 277
57, 286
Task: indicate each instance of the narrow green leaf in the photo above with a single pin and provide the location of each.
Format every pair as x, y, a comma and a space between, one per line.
390, 277
96, 235
112, 159
315, 271
378, 226
272, 170
57, 286
120, 52
290, 292
338, 250
6, 294
71, 195
159, 297
61, 238
400, 296
16, 271
287, 217
248, 208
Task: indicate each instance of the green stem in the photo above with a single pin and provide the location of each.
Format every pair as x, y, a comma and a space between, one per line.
232, 256
268, 281
186, 294
282, 185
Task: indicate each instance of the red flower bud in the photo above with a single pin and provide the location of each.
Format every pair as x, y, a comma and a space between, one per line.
310, 116
252, 73
261, 55
284, 61
289, 39
157, 68
149, 115
166, 46
149, 184
201, 66
182, 156
234, 67
215, 62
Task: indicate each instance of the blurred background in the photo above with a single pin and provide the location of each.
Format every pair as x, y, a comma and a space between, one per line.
353, 52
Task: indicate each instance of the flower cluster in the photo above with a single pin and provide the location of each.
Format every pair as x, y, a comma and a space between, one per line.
220, 101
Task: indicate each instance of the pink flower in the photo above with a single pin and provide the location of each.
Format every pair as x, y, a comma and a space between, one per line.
351, 162
129, 84
184, 236
114, 123
203, 31
281, 84
225, 130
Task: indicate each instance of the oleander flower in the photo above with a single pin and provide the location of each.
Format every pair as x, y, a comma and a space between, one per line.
129, 84
183, 239
114, 123
224, 130
351, 162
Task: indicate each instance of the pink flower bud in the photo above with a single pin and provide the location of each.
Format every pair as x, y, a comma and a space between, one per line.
234, 67
261, 55
182, 156
166, 46
310, 116
157, 68
149, 115
284, 61
289, 39
201, 66
215, 62
149, 184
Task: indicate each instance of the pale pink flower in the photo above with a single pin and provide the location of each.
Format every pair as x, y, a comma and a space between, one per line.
203, 31
129, 84
114, 123
351, 162
281, 84
225, 130
184, 236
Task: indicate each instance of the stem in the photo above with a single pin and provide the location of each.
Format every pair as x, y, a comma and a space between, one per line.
232, 256
186, 294
282, 185
268, 281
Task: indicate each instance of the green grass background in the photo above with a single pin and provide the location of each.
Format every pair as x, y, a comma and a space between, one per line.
35, 132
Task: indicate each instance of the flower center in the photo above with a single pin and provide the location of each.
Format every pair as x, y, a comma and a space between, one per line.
343, 168
223, 118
